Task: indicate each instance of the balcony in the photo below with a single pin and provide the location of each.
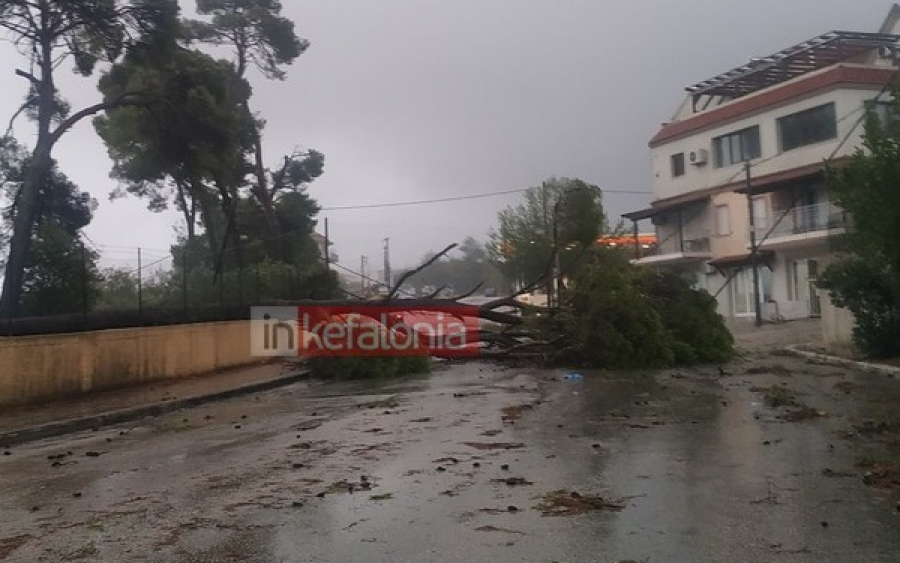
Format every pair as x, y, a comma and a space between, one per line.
801, 226
679, 247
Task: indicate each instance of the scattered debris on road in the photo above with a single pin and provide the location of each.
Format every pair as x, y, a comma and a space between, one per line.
564, 502
495, 445
513, 481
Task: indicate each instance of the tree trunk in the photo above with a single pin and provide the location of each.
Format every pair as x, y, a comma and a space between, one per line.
264, 196
23, 225
208, 210
38, 171
188, 211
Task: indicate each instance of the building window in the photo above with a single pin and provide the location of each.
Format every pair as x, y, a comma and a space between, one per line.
723, 223
742, 293
678, 165
760, 212
807, 127
742, 301
737, 147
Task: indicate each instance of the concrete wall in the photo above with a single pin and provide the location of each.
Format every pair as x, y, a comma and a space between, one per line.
40, 368
837, 323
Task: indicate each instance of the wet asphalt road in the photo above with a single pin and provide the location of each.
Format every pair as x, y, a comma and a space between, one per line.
418, 471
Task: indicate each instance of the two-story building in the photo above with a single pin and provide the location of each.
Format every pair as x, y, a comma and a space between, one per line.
755, 140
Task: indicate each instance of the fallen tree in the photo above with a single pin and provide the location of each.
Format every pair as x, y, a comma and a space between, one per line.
612, 315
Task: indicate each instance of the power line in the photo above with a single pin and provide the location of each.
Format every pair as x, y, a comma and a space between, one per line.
456, 198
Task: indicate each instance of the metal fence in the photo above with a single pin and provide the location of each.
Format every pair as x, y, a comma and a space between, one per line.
131, 287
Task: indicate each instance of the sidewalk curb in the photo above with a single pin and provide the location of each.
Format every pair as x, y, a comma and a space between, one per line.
70, 426
883, 369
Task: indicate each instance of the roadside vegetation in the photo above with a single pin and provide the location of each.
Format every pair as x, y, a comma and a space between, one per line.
615, 316
178, 124
367, 368
610, 313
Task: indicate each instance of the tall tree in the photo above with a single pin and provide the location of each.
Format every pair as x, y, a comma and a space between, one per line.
60, 274
47, 32
263, 39
565, 214
191, 133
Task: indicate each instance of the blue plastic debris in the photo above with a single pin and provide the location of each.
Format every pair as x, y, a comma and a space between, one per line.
574, 377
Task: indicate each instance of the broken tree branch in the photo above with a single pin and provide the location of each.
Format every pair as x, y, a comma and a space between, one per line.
415, 271
28, 76
469, 293
15, 116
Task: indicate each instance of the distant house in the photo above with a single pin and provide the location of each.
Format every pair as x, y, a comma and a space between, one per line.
321, 243
785, 115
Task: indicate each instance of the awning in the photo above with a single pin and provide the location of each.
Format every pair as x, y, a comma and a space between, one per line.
807, 176
741, 260
664, 208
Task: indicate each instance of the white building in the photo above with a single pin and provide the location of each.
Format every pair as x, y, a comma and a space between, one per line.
323, 245
787, 114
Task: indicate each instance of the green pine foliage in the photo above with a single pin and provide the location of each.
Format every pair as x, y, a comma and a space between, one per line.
618, 316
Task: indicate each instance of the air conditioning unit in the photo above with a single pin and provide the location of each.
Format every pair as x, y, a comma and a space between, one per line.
699, 157
888, 52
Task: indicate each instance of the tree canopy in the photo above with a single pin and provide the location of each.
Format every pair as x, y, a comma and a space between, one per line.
60, 274
187, 142
48, 34
563, 213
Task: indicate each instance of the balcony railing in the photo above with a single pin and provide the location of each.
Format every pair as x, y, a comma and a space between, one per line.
805, 219
689, 241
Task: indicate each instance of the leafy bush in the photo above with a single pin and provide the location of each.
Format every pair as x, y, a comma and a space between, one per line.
615, 326
871, 291
698, 332
620, 316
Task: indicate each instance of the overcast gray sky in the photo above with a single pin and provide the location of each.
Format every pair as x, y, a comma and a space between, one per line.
418, 99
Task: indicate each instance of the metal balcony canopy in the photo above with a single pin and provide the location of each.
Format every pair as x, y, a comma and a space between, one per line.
669, 207
820, 52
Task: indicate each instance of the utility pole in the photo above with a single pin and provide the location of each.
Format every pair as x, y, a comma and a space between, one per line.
549, 287
557, 286
387, 262
327, 245
753, 249
363, 264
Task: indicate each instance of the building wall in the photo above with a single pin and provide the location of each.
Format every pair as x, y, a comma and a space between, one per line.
47, 367
736, 241
837, 324
849, 105
788, 305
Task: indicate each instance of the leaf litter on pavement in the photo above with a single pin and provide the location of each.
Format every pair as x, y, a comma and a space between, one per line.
564, 502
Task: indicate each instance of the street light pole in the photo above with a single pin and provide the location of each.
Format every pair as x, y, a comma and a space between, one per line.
753, 250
